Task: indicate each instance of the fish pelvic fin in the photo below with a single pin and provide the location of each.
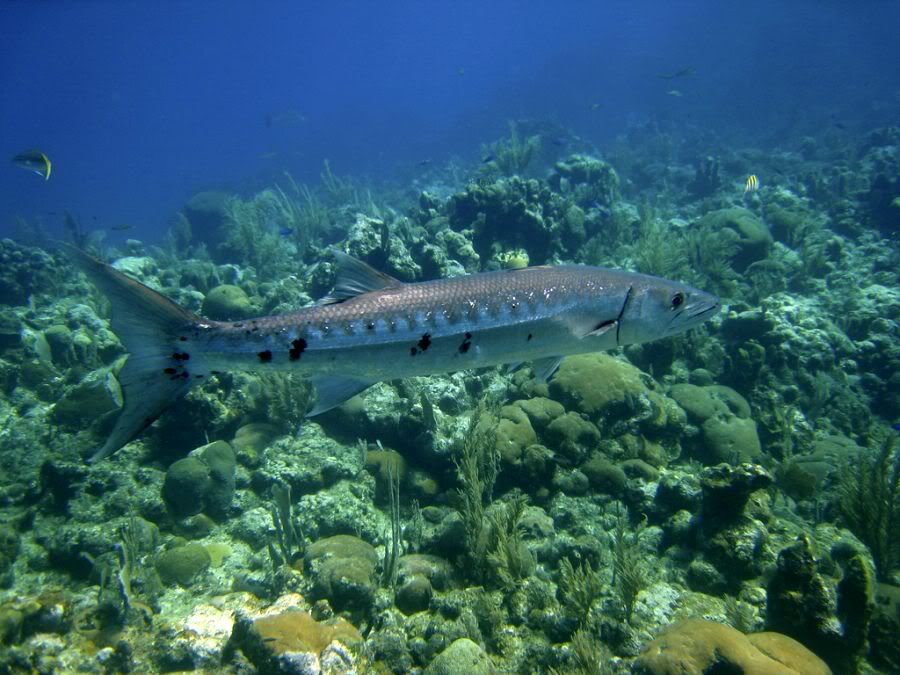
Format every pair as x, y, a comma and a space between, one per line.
154, 331
332, 390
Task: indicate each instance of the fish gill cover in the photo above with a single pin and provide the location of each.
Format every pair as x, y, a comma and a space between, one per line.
724, 497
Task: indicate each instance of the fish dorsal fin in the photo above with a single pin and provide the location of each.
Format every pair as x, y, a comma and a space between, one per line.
354, 277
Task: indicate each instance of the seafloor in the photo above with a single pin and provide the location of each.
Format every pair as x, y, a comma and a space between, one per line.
723, 501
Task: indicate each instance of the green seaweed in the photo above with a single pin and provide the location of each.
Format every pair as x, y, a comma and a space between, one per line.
512, 155
869, 503
251, 234
580, 587
477, 467
508, 557
589, 656
656, 251
629, 569
392, 548
288, 544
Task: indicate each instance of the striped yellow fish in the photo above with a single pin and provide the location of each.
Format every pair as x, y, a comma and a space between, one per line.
34, 160
751, 184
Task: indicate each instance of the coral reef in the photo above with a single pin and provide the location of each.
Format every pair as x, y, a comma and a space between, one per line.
646, 510
699, 646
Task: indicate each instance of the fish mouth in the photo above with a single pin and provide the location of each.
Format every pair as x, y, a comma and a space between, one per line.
694, 313
702, 309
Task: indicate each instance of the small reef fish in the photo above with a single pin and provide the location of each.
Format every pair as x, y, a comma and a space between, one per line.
34, 160
374, 328
285, 231
751, 184
675, 93
121, 227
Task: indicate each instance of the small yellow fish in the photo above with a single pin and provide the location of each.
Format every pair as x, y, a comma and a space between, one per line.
34, 160
675, 93
751, 184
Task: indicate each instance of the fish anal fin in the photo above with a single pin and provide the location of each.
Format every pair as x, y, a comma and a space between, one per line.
354, 277
332, 390
544, 368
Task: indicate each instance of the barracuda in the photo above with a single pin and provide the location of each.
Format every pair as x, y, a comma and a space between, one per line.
374, 328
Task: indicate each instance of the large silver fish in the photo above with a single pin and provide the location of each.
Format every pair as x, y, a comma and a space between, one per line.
374, 328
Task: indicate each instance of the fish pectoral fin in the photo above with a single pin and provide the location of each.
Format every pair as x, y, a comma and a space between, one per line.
602, 329
544, 368
354, 277
332, 390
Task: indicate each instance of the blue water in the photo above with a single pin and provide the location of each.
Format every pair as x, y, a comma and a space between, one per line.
139, 105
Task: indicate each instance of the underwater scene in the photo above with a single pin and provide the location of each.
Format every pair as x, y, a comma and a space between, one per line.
450, 338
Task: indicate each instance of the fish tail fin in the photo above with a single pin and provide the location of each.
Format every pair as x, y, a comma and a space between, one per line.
155, 333
49, 166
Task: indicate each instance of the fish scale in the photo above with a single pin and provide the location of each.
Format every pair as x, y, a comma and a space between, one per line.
374, 328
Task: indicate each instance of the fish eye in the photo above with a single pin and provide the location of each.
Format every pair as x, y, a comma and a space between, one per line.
677, 300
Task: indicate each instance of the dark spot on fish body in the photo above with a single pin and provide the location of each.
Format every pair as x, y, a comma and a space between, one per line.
182, 339
413, 351
182, 356
425, 342
466, 343
528, 339
370, 325
169, 371
298, 346
265, 356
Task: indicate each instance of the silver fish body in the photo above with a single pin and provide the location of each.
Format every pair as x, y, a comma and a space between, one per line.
465, 322
376, 328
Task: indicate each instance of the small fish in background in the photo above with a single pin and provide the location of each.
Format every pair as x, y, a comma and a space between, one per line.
424, 162
896, 426
285, 231
487, 160
675, 92
597, 106
461, 71
34, 160
684, 72
285, 118
121, 227
751, 184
